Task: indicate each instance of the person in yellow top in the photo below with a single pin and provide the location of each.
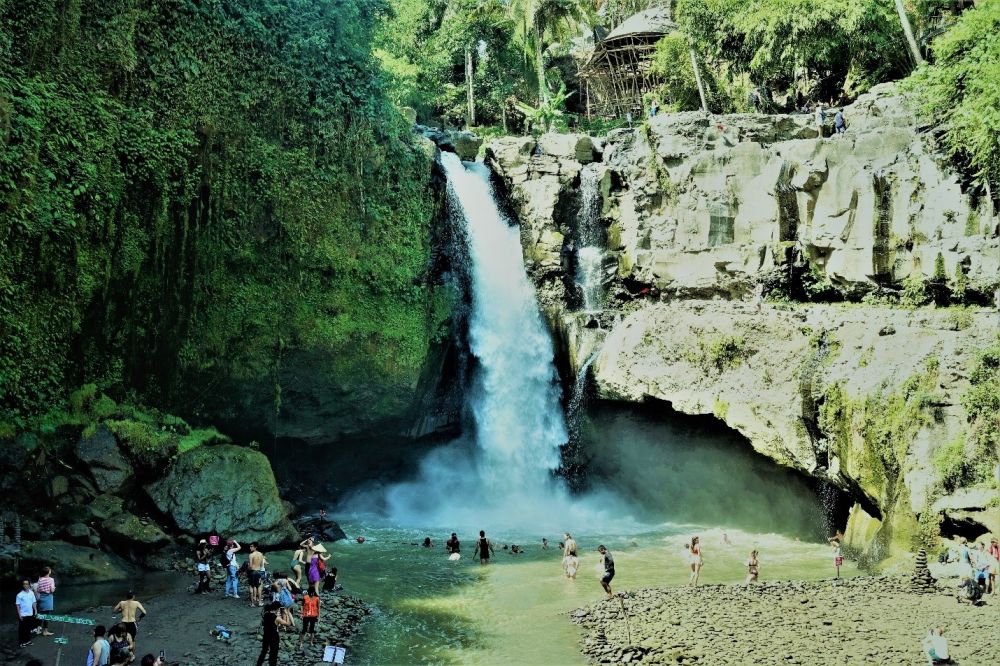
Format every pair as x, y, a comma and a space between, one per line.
310, 615
129, 607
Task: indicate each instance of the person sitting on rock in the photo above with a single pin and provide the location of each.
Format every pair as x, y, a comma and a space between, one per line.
936, 647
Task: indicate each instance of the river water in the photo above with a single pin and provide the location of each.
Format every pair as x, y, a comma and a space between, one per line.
654, 479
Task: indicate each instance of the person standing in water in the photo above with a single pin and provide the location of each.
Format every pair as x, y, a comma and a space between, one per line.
484, 548
299, 558
609, 569
694, 554
838, 557
452, 546
753, 568
570, 561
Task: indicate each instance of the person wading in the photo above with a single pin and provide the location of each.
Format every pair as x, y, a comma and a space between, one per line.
609, 569
484, 548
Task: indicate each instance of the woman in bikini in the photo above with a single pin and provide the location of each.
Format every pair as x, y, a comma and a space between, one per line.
300, 557
753, 568
696, 561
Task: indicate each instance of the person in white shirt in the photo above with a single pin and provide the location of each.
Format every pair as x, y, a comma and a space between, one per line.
27, 608
936, 647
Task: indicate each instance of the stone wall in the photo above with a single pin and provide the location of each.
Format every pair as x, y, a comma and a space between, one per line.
697, 210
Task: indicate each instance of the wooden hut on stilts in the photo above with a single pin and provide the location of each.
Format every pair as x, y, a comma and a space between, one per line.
617, 74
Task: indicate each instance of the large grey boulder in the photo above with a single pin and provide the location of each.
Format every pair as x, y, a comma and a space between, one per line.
78, 564
99, 452
226, 488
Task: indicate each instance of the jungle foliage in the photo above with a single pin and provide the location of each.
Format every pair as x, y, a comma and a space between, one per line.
961, 89
191, 189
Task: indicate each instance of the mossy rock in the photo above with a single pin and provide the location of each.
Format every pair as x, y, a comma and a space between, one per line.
105, 507
72, 563
98, 450
225, 488
126, 529
151, 444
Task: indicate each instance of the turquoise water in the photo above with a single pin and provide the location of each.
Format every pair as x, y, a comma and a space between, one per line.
432, 610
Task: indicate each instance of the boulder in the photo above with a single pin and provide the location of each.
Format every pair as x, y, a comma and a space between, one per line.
72, 563
226, 488
104, 507
466, 145
577, 147
103, 459
58, 486
129, 530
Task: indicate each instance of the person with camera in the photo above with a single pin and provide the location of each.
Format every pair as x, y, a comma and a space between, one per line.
270, 642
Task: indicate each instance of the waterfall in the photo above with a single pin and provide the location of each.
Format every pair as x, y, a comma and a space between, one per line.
515, 397
506, 471
589, 253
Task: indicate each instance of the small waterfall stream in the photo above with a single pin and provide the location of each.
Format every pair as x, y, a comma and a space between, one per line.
589, 253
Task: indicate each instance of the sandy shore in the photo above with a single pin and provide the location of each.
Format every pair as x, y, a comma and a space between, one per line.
863, 620
179, 623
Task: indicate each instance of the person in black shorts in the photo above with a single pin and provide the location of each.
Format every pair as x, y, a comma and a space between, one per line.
609, 569
484, 547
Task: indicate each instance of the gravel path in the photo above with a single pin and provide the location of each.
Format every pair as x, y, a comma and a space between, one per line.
179, 623
863, 620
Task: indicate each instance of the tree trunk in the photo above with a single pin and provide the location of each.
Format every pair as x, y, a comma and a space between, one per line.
908, 31
471, 115
543, 90
697, 77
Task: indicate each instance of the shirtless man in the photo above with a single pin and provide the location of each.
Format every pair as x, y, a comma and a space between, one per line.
484, 548
127, 608
257, 563
609, 569
570, 560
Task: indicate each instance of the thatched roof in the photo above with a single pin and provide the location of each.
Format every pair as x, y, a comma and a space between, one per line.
654, 21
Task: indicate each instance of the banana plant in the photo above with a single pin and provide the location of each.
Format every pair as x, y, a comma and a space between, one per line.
549, 108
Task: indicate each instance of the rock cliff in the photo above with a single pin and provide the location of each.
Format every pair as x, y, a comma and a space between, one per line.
697, 211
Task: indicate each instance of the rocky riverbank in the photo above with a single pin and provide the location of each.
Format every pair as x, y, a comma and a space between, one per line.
861, 620
179, 623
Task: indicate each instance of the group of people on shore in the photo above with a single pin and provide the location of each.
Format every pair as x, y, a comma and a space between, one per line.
286, 593
979, 568
111, 647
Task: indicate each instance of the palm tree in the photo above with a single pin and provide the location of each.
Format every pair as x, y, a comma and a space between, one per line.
538, 21
908, 31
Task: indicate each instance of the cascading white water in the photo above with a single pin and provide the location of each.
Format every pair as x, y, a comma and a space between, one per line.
519, 422
515, 395
589, 253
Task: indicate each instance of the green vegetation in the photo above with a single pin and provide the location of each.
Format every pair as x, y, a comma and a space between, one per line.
872, 435
822, 48
719, 353
961, 89
982, 402
192, 192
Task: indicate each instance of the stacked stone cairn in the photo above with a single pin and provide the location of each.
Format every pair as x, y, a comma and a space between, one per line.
922, 581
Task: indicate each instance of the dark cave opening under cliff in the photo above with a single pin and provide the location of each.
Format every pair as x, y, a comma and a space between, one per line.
683, 468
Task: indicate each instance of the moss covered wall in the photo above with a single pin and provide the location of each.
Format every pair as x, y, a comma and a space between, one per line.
209, 203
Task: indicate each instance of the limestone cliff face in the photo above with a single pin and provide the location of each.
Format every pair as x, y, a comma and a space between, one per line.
697, 208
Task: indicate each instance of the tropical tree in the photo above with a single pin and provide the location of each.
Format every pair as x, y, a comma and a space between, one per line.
537, 22
904, 20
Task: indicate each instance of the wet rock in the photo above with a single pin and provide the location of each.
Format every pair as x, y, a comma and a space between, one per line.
103, 459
